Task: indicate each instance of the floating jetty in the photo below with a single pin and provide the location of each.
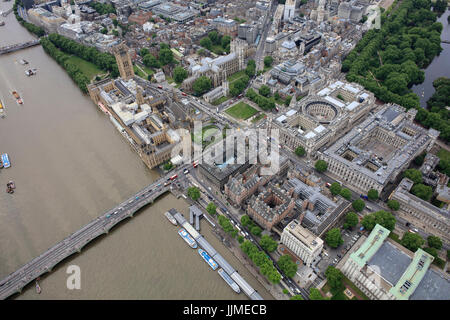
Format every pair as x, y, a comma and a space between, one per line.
234, 275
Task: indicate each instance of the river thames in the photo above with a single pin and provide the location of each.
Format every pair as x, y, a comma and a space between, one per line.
70, 165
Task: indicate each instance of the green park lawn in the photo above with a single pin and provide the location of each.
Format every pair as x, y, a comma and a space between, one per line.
236, 76
219, 101
258, 117
444, 154
241, 111
207, 131
339, 294
90, 70
139, 72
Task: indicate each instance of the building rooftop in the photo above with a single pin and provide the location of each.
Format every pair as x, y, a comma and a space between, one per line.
306, 237
370, 246
390, 261
432, 287
413, 275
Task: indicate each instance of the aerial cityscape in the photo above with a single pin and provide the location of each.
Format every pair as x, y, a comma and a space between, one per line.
225, 150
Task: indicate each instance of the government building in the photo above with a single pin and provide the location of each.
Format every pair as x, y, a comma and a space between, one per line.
138, 115
320, 119
385, 270
420, 213
303, 243
220, 68
374, 152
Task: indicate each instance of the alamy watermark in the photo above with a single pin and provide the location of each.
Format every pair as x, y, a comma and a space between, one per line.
234, 146
74, 280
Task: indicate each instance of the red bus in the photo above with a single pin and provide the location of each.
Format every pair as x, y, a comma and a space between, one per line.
184, 94
173, 177
159, 87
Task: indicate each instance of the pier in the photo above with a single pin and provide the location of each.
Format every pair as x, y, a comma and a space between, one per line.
15, 281
18, 46
248, 290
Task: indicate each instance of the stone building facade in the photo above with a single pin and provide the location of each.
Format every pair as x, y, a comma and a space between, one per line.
421, 213
373, 153
271, 206
123, 60
301, 242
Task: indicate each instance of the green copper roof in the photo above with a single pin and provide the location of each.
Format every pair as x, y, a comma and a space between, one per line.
412, 276
370, 246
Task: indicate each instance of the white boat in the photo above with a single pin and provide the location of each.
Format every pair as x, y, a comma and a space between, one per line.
229, 281
170, 218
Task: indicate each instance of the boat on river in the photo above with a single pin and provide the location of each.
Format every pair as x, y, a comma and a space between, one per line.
189, 240
229, 281
208, 259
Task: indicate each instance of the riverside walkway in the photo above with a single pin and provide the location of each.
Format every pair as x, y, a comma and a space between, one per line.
18, 46
15, 281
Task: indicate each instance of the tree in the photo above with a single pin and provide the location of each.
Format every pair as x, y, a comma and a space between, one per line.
431, 251
225, 41
300, 151
194, 193
372, 194
334, 238
268, 244
168, 165
179, 74
245, 220
143, 52
287, 101
383, 218
358, 205
256, 231
346, 194
201, 85
150, 61
335, 188
434, 242
297, 296
214, 37
274, 276
321, 166
250, 70
351, 220
314, 294
264, 91
422, 191
288, 266
206, 43
165, 56
240, 239
104, 31
334, 277
413, 174
393, 204
211, 208
268, 61
412, 241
